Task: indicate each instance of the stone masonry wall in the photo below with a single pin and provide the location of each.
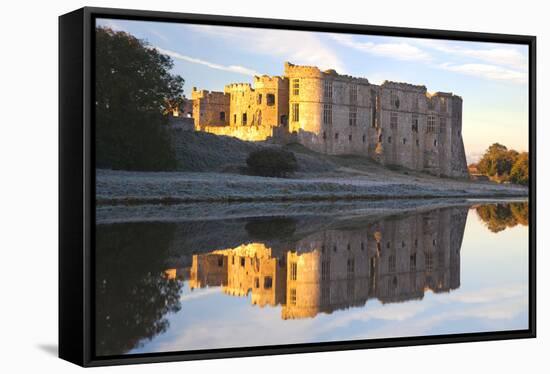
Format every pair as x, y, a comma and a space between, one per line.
393, 123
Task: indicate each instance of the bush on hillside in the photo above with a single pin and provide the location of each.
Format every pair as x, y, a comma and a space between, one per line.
272, 163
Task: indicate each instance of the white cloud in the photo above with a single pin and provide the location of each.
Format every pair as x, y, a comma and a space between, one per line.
399, 51
487, 295
495, 55
231, 68
394, 313
486, 71
298, 47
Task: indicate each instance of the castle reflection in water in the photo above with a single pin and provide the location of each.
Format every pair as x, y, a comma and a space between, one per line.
393, 260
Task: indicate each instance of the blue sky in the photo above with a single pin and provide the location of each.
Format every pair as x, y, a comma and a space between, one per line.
491, 78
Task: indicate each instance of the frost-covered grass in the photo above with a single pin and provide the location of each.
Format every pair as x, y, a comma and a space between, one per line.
114, 187
204, 152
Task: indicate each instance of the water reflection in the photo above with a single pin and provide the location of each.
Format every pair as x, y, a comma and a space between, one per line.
498, 217
303, 267
132, 295
395, 259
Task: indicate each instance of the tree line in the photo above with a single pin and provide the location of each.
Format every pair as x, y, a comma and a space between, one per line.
505, 165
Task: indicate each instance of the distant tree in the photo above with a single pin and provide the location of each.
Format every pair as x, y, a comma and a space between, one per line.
272, 162
133, 88
520, 170
497, 161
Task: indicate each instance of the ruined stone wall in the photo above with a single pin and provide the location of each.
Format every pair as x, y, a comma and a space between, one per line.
419, 131
333, 111
208, 270
251, 269
210, 109
402, 119
271, 100
394, 123
251, 113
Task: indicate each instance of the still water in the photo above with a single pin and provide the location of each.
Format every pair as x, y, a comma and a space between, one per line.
217, 283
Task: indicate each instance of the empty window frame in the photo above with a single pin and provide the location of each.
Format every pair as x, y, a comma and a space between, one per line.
430, 128
443, 104
293, 271
353, 94
414, 123
394, 100
327, 114
328, 90
325, 270
442, 125
268, 283
295, 112
393, 120
292, 296
296, 87
353, 116
391, 264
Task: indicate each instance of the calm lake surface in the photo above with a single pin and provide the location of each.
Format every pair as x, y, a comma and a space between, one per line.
261, 280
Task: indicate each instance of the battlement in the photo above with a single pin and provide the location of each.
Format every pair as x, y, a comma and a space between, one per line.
445, 94
315, 72
404, 86
238, 87
268, 78
257, 250
205, 94
302, 70
344, 77
274, 82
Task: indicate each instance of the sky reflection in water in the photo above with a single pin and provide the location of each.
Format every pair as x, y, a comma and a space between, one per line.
284, 281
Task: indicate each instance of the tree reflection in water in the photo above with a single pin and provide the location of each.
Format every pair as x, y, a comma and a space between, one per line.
498, 217
133, 296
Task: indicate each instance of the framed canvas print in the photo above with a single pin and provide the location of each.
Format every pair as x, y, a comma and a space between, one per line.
235, 186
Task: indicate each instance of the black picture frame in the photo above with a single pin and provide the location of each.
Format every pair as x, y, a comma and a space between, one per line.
77, 185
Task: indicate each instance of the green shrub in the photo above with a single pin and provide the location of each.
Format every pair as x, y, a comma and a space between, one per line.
272, 163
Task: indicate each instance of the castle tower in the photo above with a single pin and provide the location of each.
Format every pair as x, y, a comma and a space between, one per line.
329, 112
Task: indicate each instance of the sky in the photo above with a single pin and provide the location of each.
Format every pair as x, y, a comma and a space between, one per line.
491, 78
493, 296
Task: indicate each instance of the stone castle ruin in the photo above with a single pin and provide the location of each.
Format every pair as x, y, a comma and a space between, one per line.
393, 123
